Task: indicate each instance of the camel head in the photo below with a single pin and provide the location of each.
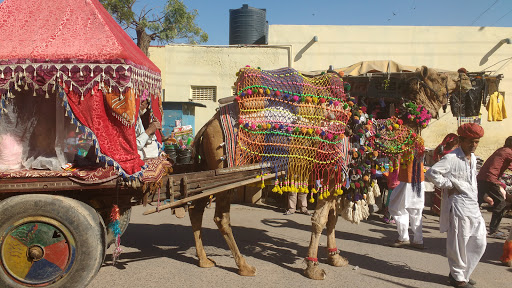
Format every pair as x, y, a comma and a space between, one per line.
457, 82
430, 88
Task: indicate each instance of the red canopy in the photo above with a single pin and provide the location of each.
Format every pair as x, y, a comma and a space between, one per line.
64, 29
75, 49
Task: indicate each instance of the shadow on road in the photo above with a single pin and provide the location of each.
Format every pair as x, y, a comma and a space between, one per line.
172, 241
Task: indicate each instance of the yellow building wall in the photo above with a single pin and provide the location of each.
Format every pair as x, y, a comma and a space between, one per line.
448, 48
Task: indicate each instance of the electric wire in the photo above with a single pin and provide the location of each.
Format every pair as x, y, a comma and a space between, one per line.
502, 17
484, 12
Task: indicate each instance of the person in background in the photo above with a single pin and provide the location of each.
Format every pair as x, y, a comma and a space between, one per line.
408, 200
292, 203
449, 143
488, 183
391, 182
506, 257
460, 212
147, 145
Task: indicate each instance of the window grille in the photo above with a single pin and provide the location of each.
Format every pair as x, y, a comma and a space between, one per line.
204, 93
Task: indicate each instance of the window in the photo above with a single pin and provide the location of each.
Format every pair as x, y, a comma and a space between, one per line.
204, 93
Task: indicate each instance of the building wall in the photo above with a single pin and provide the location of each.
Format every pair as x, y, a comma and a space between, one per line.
184, 66
448, 48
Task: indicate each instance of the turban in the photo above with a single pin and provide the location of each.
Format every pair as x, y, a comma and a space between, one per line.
471, 130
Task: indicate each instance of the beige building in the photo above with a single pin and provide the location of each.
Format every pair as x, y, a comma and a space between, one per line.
206, 73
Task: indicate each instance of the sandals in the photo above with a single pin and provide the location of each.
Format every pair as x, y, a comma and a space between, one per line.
456, 283
288, 212
388, 220
498, 235
400, 244
306, 212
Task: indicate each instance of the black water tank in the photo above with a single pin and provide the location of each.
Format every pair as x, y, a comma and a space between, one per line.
248, 25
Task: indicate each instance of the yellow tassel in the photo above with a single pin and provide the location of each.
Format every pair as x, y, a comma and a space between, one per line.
311, 200
314, 191
274, 189
320, 197
262, 185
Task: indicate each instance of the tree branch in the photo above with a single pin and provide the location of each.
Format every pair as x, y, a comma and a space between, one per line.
154, 36
131, 4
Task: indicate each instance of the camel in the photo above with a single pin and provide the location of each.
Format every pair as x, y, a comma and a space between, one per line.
209, 145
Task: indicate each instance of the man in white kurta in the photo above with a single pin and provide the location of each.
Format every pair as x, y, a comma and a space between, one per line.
406, 204
406, 207
460, 212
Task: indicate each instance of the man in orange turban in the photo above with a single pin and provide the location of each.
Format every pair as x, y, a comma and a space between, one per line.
460, 211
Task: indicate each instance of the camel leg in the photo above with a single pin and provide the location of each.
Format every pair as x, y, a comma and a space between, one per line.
222, 219
319, 219
196, 219
334, 257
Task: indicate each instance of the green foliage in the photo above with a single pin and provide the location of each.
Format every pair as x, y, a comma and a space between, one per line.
173, 22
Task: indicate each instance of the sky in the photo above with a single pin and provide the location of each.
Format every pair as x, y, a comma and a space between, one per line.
213, 15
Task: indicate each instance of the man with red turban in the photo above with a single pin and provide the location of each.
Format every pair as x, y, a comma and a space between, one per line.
460, 212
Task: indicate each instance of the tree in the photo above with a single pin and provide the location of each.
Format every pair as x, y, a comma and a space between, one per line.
172, 23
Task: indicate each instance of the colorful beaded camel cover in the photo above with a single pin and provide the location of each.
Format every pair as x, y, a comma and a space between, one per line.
294, 123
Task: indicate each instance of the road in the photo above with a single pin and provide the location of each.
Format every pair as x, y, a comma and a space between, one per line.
158, 251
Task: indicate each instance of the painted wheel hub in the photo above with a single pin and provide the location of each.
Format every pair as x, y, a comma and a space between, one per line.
37, 251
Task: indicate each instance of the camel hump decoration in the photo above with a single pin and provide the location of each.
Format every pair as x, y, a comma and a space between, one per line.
295, 124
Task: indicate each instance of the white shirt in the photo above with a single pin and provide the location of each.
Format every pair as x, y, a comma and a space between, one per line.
455, 170
147, 146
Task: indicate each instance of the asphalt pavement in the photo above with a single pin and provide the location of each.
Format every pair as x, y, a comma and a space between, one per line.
159, 251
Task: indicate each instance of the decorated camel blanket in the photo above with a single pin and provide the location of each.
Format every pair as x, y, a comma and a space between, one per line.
294, 123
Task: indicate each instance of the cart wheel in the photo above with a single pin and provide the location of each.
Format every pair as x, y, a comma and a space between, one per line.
49, 241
